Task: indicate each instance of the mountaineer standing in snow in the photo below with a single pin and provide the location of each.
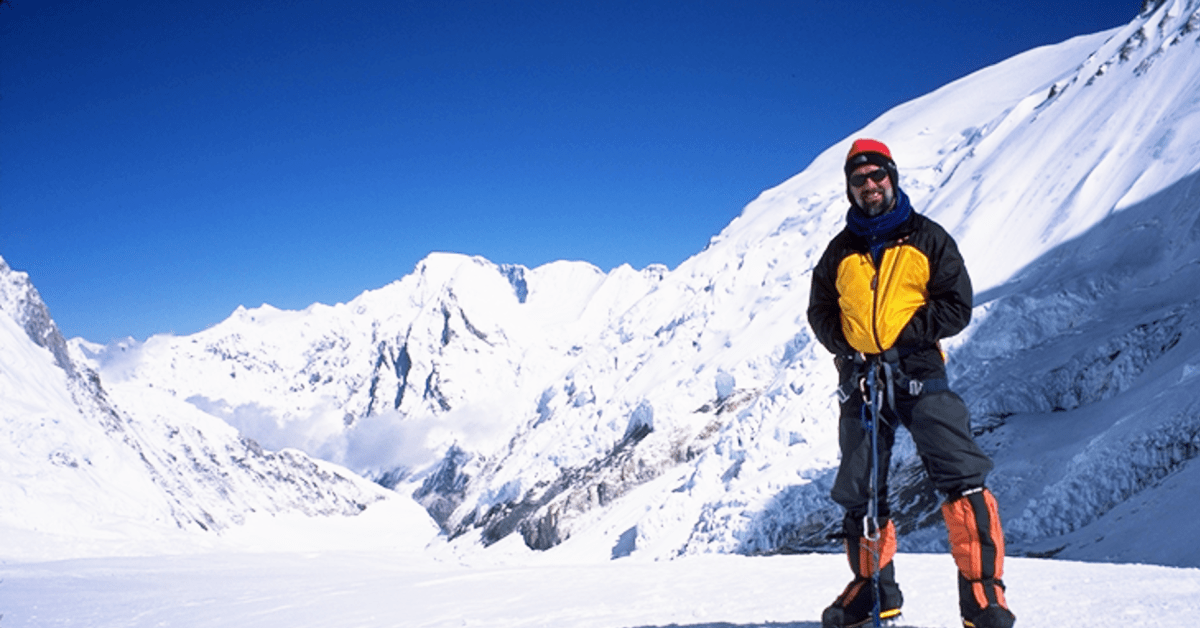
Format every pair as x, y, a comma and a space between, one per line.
887, 289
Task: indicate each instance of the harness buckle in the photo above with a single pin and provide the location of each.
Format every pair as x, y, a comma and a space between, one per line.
915, 386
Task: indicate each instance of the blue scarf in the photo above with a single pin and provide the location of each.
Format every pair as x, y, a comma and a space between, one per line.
879, 230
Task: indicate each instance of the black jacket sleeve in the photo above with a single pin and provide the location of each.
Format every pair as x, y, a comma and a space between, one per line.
948, 309
824, 313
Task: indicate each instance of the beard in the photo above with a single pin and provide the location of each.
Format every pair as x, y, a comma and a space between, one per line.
877, 204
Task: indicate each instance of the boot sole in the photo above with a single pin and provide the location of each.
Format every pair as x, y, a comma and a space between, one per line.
888, 616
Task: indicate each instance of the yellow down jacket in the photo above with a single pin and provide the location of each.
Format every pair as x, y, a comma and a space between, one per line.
915, 294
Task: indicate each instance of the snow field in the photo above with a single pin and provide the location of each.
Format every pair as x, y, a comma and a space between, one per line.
402, 589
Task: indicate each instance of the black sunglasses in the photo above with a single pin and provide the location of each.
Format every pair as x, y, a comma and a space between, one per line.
857, 180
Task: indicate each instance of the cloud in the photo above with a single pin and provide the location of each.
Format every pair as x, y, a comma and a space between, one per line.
370, 445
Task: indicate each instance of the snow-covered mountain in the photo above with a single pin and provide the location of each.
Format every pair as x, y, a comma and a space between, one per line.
669, 412
79, 467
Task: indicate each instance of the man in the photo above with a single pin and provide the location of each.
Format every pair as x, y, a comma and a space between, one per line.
887, 289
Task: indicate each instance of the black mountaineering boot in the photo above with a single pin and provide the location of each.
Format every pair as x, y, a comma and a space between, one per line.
856, 605
991, 617
977, 543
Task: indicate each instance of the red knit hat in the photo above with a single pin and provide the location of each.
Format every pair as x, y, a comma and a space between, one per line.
867, 151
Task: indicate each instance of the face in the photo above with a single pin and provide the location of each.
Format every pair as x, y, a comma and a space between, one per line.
874, 197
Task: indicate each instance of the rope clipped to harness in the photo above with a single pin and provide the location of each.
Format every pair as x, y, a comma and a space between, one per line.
877, 378
871, 415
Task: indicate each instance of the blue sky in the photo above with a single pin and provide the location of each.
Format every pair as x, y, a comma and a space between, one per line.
163, 162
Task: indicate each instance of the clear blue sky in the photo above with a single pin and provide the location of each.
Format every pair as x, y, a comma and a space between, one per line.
162, 162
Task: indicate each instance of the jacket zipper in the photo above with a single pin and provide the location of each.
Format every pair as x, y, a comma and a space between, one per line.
875, 301
875, 291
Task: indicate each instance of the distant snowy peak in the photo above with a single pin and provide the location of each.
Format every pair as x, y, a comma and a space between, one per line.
457, 339
81, 464
556, 294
